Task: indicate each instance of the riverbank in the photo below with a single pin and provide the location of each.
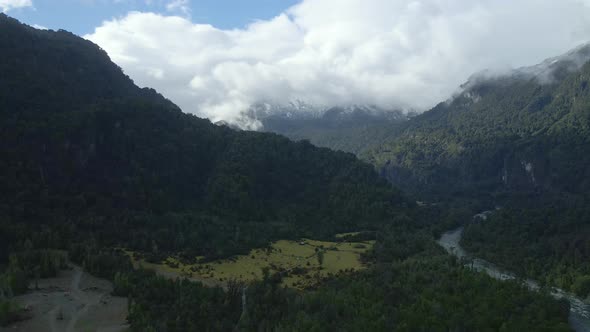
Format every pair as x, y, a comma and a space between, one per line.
579, 318
72, 301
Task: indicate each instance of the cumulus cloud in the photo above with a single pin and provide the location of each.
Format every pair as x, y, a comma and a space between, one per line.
397, 54
6, 5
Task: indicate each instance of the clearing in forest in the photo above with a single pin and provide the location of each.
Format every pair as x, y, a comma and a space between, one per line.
302, 263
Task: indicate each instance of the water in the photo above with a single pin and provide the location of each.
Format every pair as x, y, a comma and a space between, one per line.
579, 317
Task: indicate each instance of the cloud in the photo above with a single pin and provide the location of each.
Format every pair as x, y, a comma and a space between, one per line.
182, 6
7, 5
391, 53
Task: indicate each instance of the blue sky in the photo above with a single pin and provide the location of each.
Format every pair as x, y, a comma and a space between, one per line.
82, 16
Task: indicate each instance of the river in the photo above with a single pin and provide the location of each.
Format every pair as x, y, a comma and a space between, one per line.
579, 317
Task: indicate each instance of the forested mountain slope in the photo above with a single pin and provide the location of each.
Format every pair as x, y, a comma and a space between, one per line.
89, 163
521, 131
351, 129
519, 141
544, 239
84, 149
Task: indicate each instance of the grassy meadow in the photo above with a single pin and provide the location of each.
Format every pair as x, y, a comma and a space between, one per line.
302, 263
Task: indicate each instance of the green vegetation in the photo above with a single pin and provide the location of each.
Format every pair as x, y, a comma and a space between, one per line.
301, 264
514, 132
30, 265
91, 163
407, 289
9, 312
501, 139
548, 241
516, 141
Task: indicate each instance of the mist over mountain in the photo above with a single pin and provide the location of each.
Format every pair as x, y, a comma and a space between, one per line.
349, 129
359, 128
395, 54
521, 129
549, 71
302, 110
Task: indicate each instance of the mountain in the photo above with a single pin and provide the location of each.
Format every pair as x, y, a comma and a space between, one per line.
520, 141
83, 148
90, 164
350, 129
524, 130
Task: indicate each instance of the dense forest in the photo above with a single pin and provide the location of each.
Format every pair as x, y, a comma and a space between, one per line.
88, 155
412, 286
91, 163
522, 131
544, 239
518, 141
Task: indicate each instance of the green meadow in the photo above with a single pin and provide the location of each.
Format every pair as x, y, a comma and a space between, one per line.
302, 264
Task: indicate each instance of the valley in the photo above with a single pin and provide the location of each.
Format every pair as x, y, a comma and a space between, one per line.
579, 317
121, 212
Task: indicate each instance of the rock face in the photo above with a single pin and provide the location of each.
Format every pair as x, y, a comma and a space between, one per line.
523, 174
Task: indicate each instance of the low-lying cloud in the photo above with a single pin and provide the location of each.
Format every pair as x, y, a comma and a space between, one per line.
391, 53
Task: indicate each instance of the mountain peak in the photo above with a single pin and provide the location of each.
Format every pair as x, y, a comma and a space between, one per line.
548, 71
556, 68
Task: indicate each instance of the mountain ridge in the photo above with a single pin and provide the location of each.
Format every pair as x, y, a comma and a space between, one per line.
79, 150
104, 172
488, 134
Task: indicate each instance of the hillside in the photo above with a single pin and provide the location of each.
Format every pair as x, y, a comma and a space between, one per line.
82, 145
94, 169
351, 129
519, 141
521, 131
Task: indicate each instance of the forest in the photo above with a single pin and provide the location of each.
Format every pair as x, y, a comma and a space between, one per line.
92, 164
517, 142
502, 134
102, 161
544, 239
409, 288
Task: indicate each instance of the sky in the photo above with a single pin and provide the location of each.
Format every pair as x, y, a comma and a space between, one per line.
83, 16
217, 58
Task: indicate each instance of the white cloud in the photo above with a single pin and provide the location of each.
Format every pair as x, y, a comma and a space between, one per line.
393, 53
182, 6
6, 5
